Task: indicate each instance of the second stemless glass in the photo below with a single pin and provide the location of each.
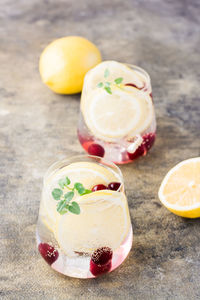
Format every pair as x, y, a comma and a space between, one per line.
99, 238
125, 149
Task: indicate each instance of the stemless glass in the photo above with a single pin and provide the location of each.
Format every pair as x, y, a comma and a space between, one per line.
127, 148
97, 240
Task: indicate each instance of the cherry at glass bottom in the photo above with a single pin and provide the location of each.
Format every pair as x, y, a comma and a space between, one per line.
116, 152
103, 260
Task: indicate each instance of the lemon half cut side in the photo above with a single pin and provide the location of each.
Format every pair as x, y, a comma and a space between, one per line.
180, 189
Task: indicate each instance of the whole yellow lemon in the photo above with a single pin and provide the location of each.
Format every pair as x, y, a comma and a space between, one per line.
64, 63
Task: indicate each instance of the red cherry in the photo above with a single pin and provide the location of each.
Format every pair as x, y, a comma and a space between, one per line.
99, 187
49, 253
132, 84
151, 96
148, 141
139, 152
101, 261
114, 186
96, 149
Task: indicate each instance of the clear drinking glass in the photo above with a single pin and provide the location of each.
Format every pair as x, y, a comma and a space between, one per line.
99, 238
126, 148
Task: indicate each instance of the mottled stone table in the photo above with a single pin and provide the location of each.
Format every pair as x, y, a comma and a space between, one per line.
38, 127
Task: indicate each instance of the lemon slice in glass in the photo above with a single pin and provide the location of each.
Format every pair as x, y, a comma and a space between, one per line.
89, 174
124, 113
104, 221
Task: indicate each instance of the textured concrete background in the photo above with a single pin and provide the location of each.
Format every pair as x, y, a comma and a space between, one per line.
38, 127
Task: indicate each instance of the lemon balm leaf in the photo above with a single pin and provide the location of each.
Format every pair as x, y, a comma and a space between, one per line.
65, 205
61, 183
64, 211
108, 89
100, 84
79, 187
86, 192
64, 182
61, 205
106, 73
57, 193
68, 196
74, 208
118, 80
68, 181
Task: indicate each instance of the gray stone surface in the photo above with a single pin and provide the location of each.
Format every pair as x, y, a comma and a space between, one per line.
38, 127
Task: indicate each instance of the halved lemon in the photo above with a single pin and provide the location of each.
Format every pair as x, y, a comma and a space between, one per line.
104, 221
88, 173
180, 189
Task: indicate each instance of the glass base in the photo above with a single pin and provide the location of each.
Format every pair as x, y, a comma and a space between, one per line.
117, 151
79, 265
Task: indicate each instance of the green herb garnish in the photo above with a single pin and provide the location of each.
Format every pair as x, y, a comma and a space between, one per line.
64, 205
118, 80
106, 73
107, 85
100, 84
108, 89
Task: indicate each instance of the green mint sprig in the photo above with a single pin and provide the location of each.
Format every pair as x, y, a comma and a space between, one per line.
64, 205
107, 85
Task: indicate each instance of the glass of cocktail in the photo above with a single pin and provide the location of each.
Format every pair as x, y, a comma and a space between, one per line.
84, 228
117, 118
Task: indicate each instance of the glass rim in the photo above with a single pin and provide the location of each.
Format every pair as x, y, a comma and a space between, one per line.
132, 66
55, 166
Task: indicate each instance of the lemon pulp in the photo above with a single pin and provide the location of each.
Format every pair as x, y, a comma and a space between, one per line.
180, 189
